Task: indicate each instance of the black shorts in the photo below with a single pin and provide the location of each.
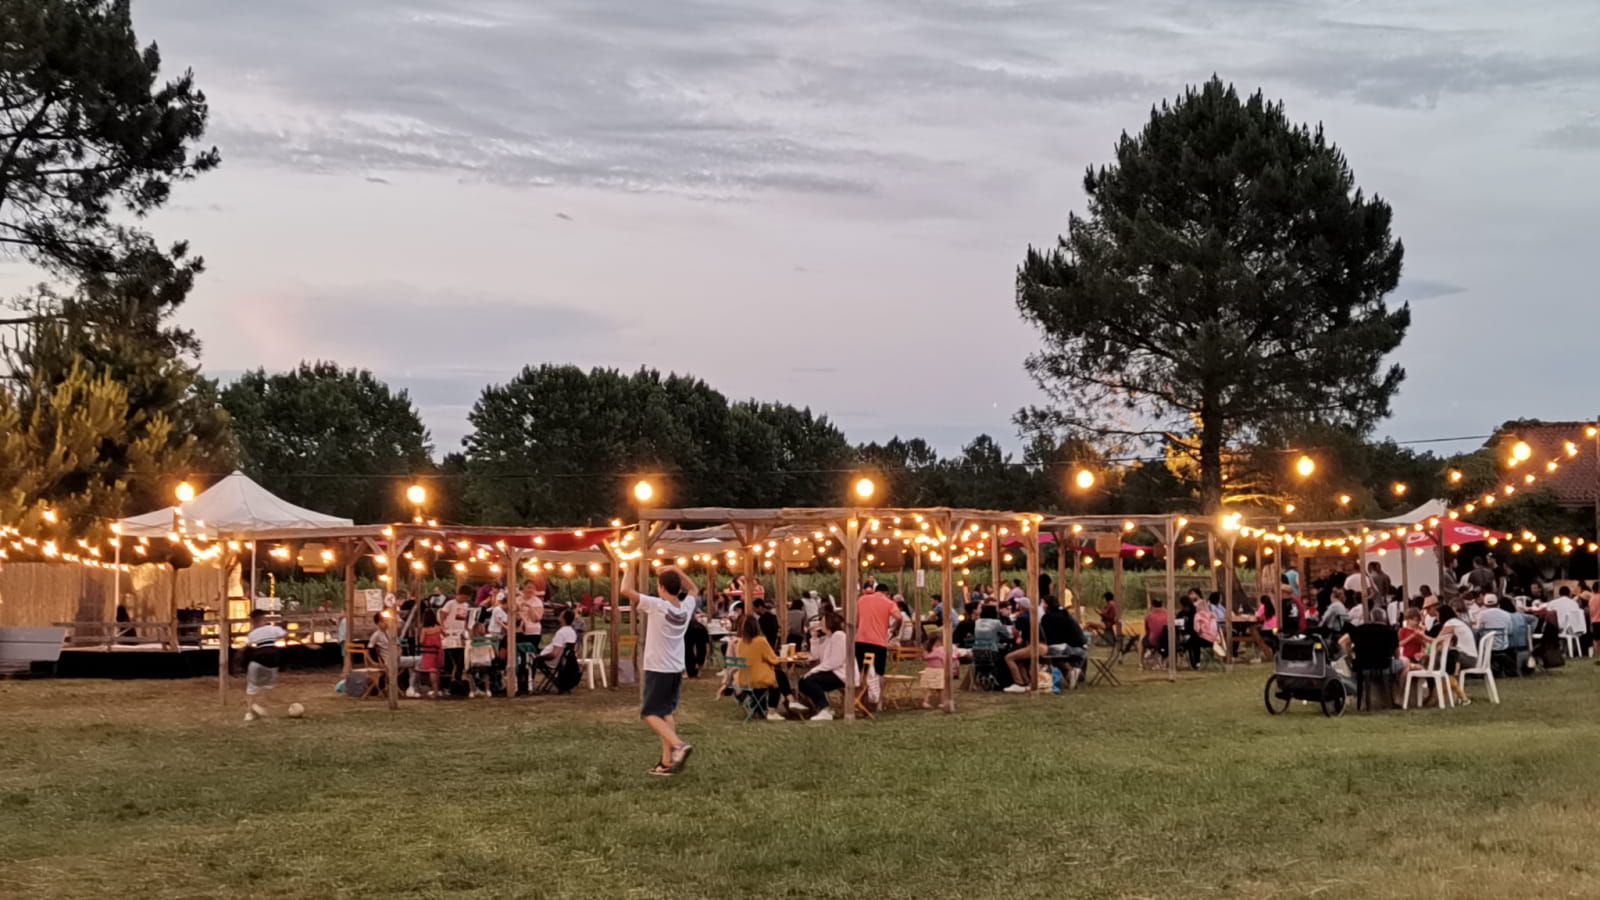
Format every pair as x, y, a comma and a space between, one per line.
660, 693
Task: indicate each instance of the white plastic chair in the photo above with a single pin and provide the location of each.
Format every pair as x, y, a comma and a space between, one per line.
1571, 623
595, 657
1434, 673
1482, 669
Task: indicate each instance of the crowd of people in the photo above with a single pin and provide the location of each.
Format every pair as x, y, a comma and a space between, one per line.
1376, 627
456, 645
993, 632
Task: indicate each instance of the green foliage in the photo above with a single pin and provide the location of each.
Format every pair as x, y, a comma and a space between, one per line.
90, 137
336, 440
558, 445
1228, 277
70, 442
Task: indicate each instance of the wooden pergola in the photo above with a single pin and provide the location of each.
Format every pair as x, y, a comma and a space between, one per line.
512, 547
853, 527
1166, 528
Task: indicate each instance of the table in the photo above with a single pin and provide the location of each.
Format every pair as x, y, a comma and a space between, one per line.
1252, 635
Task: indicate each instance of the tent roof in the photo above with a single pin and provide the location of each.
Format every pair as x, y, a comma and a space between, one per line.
234, 506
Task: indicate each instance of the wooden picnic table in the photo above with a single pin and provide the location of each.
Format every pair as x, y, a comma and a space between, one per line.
1251, 635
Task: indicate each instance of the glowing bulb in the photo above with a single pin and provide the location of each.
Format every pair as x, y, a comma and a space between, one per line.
1084, 479
1399, 489
1305, 465
1455, 476
1344, 499
864, 488
644, 491
416, 494
1520, 451
185, 492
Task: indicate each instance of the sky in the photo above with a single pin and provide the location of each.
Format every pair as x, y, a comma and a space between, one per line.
765, 194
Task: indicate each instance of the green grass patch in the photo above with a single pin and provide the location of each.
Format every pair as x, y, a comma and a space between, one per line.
152, 790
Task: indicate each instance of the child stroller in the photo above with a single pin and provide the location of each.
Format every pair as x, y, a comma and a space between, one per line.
1304, 670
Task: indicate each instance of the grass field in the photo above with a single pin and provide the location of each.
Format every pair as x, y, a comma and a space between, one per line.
149, 790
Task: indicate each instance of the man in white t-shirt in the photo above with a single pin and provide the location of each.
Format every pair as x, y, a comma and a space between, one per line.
666, 619
261, 672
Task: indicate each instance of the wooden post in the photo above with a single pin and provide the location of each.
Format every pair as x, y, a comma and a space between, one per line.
995, 579
1031, 544
948, 583
1116, 574
849, 585
513, 562
1061, 574
392, 659
1172, 600
349, 601
1227, 606
647, 538
224, 631
616, 615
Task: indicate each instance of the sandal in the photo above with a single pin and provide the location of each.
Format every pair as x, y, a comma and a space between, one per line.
661, 770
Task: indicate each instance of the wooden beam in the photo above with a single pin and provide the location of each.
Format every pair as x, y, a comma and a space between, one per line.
1172, 600
948, 582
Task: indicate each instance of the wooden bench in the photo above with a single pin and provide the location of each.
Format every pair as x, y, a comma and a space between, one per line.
22, 648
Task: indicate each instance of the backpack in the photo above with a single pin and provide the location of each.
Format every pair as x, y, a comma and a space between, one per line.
568, 674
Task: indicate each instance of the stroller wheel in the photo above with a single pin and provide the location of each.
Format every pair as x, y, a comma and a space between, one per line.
1333, 698
1276, 700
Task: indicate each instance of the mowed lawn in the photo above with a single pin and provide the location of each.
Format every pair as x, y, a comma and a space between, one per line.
149, 790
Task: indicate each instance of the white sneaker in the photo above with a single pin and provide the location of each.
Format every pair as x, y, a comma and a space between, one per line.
825, 716
411, 693
774, 716
258, 711
797, 706
1016, 689
250, 717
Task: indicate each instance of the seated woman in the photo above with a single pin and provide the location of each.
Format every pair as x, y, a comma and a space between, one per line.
760, 663
1267, 615
827, 674
990, 633
1455, 633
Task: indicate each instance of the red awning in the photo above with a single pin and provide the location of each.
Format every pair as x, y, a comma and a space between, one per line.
1450, 531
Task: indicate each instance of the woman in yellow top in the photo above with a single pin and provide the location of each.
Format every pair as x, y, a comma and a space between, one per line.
759, 661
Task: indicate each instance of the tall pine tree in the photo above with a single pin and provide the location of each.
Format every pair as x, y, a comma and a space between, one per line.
1228, 276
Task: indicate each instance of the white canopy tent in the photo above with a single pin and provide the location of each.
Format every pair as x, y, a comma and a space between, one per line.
234, 507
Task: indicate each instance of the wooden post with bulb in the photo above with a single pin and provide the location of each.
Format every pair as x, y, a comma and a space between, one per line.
1031, 544
850, 585
947, 583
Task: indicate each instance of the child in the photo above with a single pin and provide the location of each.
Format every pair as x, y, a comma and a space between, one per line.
1413, 639
432, 651
933, 671
760, 666
261, 672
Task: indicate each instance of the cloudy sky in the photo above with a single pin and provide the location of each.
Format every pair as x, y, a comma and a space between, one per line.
762, 193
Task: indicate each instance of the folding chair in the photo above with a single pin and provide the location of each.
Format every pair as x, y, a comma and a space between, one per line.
1104, 667
751, 701
361, 662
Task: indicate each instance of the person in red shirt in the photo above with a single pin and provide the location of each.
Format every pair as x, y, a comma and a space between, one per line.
877, 617
1155, 627
1413, 639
